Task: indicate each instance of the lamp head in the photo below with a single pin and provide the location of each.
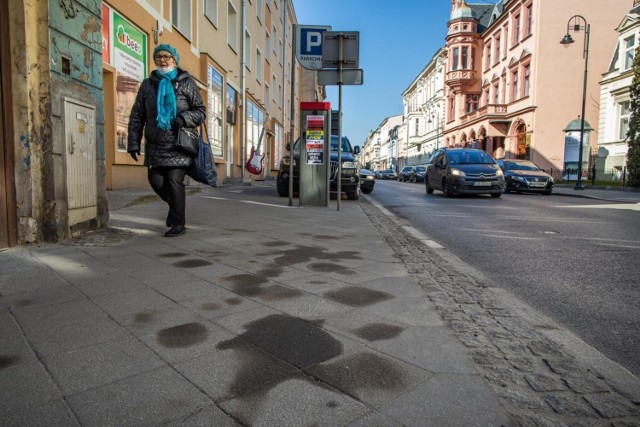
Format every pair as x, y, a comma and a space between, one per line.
567, 40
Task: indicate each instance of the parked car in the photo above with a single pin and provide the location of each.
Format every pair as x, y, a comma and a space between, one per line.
405, 173
463, 171
389, 174
525, 176
367, 181
417, 174
379, 174
350, 178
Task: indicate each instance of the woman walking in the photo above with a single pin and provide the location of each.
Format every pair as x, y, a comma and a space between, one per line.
166, 101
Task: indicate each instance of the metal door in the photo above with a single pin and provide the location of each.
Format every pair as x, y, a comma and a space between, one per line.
80, 160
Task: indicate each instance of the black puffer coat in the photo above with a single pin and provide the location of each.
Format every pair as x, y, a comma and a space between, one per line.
161, 147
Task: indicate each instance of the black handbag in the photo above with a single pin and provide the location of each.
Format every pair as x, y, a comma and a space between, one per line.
187, 140
203, 167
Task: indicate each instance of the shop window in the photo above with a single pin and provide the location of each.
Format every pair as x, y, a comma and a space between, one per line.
215, 110
181, 16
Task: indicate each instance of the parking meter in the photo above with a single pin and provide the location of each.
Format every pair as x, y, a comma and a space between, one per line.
315, 122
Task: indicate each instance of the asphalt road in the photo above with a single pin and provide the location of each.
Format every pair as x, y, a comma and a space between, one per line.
573, 259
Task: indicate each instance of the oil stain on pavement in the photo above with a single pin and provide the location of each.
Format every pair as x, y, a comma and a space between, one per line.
378, 331
181, 336
357, 296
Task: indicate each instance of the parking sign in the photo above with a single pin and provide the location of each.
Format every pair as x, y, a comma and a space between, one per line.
309, 45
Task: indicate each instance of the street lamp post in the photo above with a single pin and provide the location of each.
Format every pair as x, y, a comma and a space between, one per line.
437, 113
574, 24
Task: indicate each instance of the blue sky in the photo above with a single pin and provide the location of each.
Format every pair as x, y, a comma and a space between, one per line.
397, 40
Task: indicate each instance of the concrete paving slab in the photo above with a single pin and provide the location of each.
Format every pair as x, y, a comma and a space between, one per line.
15, 351
370, 377
8, 326
56, 315
398, 286
296, 403
187, 340
42, 297
205, 417
313, 283
152, 320
409, 310
443, 401
363, 326
52, 413
239, 370
24, 386
220, 304
430, 347
100, 364
310, 307
122, 303
236, 322
374, 418
73, 336
150, 398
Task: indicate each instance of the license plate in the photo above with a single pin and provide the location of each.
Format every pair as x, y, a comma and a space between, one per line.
537, 184
482, 184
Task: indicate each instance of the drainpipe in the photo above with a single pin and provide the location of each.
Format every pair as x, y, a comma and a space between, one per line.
243, 73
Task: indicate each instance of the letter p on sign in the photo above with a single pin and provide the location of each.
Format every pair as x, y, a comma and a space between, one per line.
311, 42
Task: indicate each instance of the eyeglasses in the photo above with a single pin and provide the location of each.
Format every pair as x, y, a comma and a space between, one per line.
159, 58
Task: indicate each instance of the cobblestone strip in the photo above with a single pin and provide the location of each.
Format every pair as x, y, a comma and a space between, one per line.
538, 382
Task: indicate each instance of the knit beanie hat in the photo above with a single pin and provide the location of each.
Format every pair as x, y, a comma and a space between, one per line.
168, 48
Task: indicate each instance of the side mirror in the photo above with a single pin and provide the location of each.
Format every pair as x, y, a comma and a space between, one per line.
356, 149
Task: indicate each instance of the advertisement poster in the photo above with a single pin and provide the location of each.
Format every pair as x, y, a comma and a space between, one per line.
126, 49
130, 49
315, 140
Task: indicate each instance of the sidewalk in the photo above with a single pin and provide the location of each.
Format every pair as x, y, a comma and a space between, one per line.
269, 315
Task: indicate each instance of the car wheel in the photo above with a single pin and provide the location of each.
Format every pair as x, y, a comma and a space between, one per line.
353, 195
283, 188
427, 187
547, 193
495, 195
447, 191
366, 190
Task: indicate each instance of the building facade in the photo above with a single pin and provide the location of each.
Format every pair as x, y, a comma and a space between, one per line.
70, 70
423, 103
615, 100
511, 88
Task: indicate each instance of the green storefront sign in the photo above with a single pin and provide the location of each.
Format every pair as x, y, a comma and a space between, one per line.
130, 48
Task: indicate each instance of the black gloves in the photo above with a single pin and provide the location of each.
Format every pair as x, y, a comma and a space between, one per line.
178, 123
134, 154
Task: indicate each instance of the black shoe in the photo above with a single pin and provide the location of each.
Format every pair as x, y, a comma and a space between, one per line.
176, 230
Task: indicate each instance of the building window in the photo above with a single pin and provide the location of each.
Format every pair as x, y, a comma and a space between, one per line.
267, 97
489, 55
275, 41
267, 47
259, 68
486, 96
417, 128
260, 10
452, 108
211, 11
629, 51
465, 55
516, 29
472, 59
514, 86
496, 93
472, 103
455, 58
232, 27
181, 16
625, 113
247, 51
273, 85
214, 110
527, 79
529, 28
497, 48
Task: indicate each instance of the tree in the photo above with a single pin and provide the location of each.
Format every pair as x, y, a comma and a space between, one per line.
633, 136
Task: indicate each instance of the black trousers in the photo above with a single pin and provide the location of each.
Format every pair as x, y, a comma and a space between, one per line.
168, 183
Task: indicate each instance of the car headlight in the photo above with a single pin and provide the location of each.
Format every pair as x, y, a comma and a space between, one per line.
499, 172
371, 177
517, 178
551, 180
457, 172
348, 165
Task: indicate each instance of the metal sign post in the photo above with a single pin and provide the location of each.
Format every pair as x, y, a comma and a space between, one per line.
340, 50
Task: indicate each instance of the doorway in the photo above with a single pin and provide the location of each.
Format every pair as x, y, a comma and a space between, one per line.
8, 216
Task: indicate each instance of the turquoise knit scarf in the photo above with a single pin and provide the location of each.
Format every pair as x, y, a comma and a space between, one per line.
166, 99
